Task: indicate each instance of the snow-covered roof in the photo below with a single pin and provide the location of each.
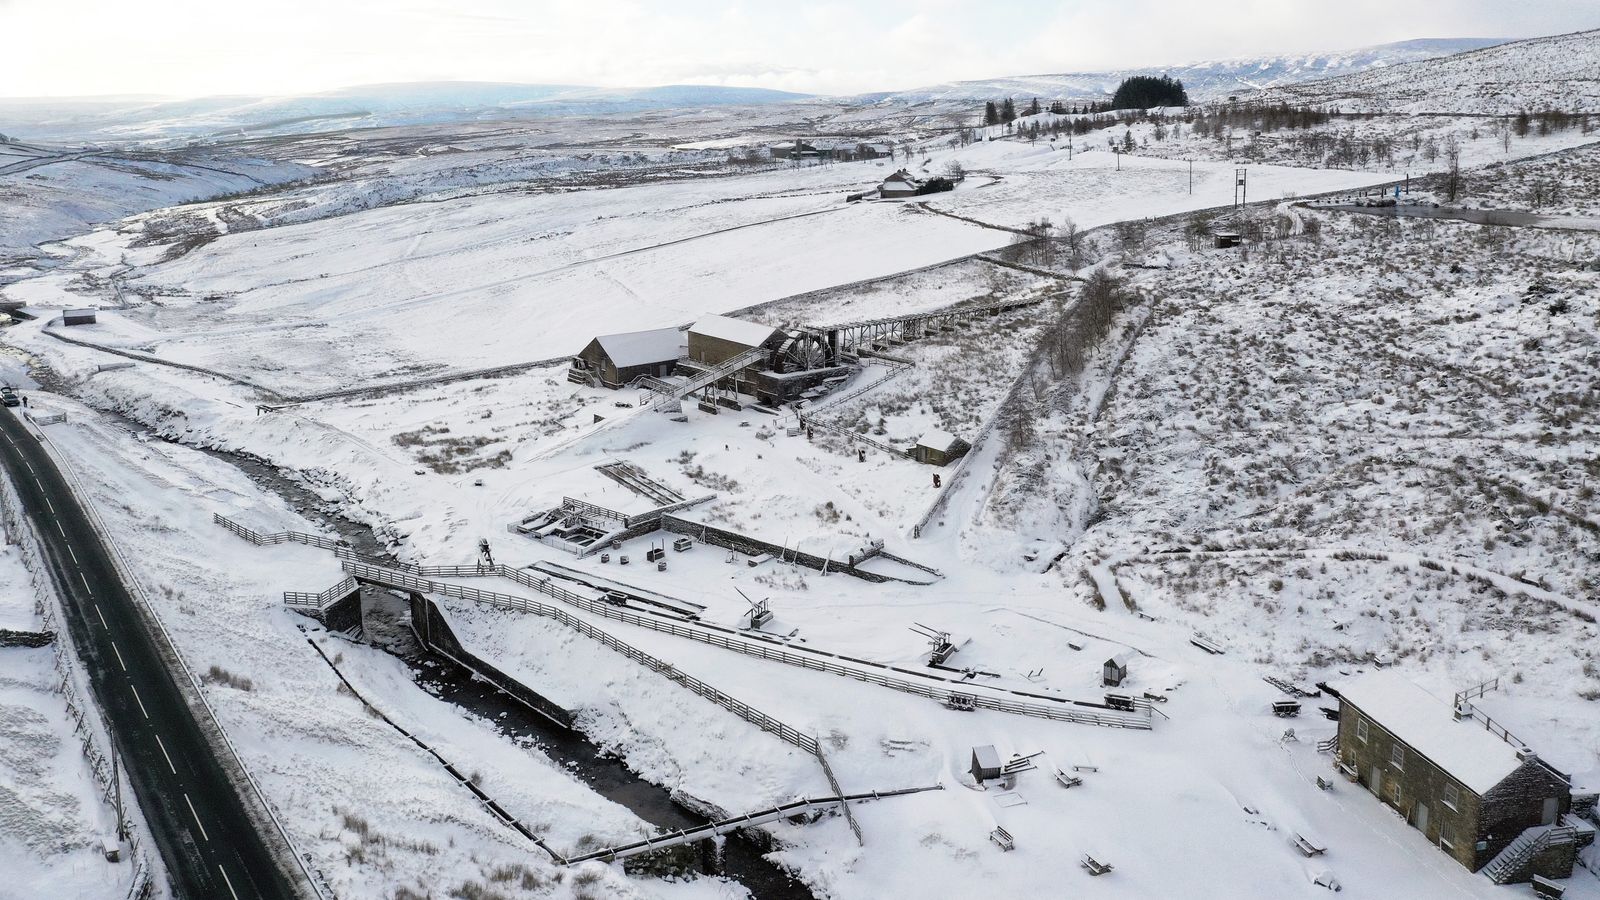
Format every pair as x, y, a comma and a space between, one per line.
902, 175
943, 441
986, 756
1122, 659
1465, 749
727, 328
637, 348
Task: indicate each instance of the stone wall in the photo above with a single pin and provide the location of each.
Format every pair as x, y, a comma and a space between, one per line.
434, 632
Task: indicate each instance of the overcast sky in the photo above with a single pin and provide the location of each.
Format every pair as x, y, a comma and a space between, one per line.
202, 47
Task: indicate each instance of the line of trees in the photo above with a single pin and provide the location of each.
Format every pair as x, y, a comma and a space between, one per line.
1005, 111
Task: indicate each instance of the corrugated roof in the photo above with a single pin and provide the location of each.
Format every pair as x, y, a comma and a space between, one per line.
637, 348
1463, 749
739, 331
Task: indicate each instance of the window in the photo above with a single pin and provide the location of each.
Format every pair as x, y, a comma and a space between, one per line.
1452, 796
1397, 756
1361, 730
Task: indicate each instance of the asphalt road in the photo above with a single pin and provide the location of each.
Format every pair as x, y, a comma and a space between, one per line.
199, 824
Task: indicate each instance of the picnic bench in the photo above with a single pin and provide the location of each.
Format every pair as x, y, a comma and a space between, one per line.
1324, 784
962, 702
1068, 781
1209, 646
1550, 890
1286, 709
1003, 839
1308, 846
1094, 866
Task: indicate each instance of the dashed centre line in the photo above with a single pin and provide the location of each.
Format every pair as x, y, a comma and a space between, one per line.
102, 617
139, 701
119, 657
228, 881
196, 818
167, 756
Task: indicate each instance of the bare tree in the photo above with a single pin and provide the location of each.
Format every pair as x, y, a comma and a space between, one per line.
1452, 180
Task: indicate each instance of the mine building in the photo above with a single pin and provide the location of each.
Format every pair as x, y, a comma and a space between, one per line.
614, 360
1460, 778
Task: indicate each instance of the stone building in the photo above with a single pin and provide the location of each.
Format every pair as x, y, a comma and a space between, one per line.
1454, 776
614, 360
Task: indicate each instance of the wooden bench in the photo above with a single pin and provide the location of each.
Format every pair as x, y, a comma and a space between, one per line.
1068, 781
1324, 783
1003, 839
1094, 866
1286, 709
1548, 889
1308, 846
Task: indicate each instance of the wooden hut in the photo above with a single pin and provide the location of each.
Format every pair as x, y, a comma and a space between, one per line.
985, 763
939, 448
1116, 669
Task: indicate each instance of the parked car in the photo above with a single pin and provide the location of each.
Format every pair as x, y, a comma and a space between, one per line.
9, 397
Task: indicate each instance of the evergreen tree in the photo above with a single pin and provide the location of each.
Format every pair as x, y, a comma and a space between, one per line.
1008, 111
991, 116
1145, 91
1057, 107
1033, 108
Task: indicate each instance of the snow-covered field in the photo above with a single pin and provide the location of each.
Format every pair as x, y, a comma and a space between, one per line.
1373, 440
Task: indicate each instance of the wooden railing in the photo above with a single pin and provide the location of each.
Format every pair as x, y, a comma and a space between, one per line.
930, 686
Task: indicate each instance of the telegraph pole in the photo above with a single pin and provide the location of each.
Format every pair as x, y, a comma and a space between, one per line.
1191, 176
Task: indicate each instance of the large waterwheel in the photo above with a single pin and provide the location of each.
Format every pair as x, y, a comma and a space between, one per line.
802, 351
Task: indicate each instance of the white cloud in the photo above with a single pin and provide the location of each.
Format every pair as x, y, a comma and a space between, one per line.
190, 47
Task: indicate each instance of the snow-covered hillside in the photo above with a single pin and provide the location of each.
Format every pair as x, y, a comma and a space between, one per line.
366, 106
1209, 80
1559, 72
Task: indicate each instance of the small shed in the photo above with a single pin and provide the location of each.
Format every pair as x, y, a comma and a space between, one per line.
617, 359
1225, 239
985, 763
77, 317
1116, 669
939, 448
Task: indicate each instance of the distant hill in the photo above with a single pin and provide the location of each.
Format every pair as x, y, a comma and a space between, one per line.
366, 106
1560, 72
1213, 80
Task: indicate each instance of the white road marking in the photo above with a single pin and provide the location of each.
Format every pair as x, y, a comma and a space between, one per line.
74, 554
228, 881
196, 818
102, 617
85, 579
141, 702
119, 657
51, 505
60, 529
164, 753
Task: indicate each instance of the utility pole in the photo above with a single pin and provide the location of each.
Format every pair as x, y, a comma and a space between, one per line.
1118, 152
1191, 177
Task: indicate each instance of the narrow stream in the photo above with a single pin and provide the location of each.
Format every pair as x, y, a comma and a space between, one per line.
387, 627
